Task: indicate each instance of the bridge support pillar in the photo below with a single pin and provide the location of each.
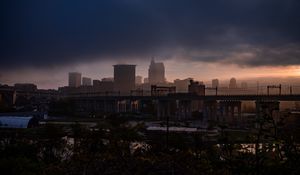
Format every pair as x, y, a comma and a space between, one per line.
109, 106
163, 109
268, 109
134, 106
231, 112
210, 110
184, 110
123, 106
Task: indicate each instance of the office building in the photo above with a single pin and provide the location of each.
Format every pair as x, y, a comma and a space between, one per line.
96, 82
156, 73
182, 85
27, 87
196, 88
103, 86
215, 83
124, 78
74, 79
108, 79
86, 81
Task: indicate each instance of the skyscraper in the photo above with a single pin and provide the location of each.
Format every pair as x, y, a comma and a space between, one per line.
74, 79
215, 83
232, 83
124, 78
86, 81
156, 72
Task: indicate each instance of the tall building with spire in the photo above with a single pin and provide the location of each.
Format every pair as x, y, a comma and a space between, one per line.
156, 72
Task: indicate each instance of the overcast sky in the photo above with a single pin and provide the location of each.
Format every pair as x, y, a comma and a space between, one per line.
43, 40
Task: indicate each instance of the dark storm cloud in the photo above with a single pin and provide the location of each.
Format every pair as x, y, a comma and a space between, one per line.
248, 32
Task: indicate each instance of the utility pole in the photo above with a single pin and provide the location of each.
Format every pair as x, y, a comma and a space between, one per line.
257, 87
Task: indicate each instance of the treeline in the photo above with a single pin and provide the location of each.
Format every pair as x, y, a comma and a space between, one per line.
116, 146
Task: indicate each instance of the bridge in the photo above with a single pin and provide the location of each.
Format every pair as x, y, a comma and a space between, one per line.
180, 105
177, 105
189, 96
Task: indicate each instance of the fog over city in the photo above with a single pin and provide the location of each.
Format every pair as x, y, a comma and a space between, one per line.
42, 41
181, 87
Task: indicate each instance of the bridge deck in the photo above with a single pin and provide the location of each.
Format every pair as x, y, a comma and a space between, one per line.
193, 97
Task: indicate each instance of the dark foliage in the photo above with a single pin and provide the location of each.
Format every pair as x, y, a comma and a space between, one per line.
116, 147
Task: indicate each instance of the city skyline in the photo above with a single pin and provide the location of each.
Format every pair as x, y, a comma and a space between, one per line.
59, 77
224, 80
150, 87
